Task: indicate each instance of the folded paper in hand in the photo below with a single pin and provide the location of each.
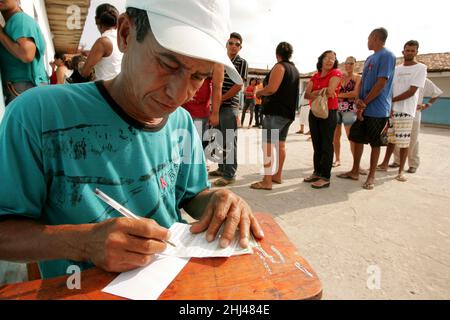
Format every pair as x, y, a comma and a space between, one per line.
190, 245
147, 283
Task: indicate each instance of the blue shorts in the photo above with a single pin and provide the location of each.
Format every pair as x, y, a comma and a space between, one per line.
275, 128
346, 118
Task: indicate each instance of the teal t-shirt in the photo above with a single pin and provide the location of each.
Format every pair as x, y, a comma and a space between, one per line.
59, 143
21, 25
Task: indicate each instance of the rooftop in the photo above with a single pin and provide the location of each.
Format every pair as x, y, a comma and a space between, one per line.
436, 62
59, 15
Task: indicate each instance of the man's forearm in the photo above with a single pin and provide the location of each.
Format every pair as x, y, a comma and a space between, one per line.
405, 95
29, 241
376, 90
232, 92
216, 99
14, 48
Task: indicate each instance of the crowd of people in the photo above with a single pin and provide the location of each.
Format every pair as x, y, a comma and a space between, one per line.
125, 133
23, 48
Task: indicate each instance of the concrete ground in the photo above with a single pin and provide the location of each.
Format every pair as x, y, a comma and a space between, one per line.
389, 243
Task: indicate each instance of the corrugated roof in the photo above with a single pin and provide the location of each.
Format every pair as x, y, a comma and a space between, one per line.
65, 39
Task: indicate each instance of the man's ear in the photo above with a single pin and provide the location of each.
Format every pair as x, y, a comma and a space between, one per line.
124, 32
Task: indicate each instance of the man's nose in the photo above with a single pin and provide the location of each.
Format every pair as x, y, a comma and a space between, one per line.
178, 88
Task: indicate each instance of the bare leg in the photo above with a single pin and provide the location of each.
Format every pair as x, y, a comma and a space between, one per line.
403, 156
352, 144
266, 183
277, 177
337, 143
389, 151
359, 148
374, 157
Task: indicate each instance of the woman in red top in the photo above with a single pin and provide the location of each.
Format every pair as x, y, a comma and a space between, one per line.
250, 101
322, 130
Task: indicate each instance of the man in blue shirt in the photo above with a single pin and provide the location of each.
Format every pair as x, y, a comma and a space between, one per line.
22, 48
375, 101
129, 138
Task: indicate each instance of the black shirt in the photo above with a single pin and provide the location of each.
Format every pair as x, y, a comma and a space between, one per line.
284, 102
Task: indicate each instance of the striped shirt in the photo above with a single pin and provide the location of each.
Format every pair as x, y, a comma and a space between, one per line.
241, 66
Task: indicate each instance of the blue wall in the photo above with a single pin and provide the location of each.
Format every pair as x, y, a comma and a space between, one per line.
439, 113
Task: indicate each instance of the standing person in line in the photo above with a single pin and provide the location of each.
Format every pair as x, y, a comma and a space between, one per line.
375, 101
204, 106
228, 114
434, 92
346, 114
322, 130
281, 99
62, 72
105, 57
258, 105
22, 49
303, 119
250, 102
77, 64
408, 80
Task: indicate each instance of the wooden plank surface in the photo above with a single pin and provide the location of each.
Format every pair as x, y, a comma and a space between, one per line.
277, 272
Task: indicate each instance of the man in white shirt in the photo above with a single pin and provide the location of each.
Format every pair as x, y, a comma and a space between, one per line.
434, 92
408, 79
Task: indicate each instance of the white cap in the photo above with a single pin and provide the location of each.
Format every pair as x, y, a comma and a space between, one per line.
194, 28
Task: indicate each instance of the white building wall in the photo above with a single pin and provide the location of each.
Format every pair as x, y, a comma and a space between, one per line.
442, 80
37, 10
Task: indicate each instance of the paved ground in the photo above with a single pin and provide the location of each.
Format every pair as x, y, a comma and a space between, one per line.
349, 235
400, 231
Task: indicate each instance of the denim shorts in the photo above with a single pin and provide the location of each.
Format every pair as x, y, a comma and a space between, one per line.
346, 118
275, 128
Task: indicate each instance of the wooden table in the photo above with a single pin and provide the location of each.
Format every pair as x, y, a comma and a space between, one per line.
280, 274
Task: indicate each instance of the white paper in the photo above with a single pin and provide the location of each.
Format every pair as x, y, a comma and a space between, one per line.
149, 282
190, 245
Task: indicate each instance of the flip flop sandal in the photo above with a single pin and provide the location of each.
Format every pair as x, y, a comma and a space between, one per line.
336, 164
323, 186
311, 179
223, 182
401, 178
347, 176
259, 186
368, 186
380, 168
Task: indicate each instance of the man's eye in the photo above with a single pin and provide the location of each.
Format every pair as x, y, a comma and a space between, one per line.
168, 66
198, 77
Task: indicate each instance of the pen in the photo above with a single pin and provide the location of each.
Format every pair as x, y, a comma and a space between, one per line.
121, 209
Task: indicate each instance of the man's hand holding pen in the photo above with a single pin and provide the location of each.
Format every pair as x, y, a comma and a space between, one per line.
124, 244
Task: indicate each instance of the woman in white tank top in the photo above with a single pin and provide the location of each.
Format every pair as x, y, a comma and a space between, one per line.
105, 57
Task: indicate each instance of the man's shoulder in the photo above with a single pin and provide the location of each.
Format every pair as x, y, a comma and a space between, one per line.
388, 53
239, 61
22, 18
51, 96
422, 66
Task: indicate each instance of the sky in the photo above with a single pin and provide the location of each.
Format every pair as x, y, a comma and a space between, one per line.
315, 26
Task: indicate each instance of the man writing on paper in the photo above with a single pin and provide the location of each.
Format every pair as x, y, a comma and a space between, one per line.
125, 136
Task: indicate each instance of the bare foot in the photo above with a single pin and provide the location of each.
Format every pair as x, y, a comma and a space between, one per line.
382, 167
277, 180
369, 184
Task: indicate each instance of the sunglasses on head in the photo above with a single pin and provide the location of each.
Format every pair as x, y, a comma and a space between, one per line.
232, 43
